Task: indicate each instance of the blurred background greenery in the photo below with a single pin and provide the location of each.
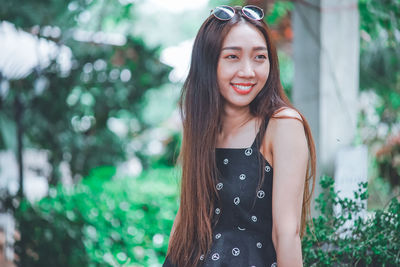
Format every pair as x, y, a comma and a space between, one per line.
110, 128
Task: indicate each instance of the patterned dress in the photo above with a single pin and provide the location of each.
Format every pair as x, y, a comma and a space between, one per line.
243, 235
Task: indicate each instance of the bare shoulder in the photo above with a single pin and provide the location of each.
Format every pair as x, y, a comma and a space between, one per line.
286, 112
286, 127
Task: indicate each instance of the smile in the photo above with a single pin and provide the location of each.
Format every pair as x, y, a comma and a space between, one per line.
242, 88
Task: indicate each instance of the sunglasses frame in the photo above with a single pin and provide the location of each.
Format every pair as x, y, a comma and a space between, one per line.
234, 11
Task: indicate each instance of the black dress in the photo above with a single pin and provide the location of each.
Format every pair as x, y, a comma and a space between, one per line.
243, 235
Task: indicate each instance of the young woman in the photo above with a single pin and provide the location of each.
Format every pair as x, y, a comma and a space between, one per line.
245, 187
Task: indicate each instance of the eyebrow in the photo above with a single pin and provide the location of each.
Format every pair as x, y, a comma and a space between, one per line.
257, 48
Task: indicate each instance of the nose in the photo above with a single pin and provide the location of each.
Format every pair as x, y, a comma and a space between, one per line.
246, 69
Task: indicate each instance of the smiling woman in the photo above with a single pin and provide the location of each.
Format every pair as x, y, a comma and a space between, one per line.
242, 66
245, 187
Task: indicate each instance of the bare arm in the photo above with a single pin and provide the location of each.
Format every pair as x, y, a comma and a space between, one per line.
290, 157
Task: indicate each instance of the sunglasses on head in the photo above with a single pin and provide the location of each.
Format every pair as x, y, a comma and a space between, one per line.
226, 12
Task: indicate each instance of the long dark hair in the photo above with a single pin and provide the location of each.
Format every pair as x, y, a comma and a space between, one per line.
201, 107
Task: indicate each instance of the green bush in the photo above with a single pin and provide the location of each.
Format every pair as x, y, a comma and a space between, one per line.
101, 221
126, 222
371, 241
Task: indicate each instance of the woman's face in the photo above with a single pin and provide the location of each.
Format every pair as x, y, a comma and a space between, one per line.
243, 65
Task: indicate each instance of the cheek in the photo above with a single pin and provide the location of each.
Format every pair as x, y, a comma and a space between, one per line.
263, 72
225, 71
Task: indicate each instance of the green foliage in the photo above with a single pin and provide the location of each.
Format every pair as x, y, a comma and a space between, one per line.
388, 161
26, 14
347, 238
112, 222
279, 10
101, 221
380, 86
70, 116
380, 55
7, 132
106, 15
172, 148
286, 69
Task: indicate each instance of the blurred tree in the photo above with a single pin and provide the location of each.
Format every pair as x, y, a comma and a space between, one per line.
380, 73
77, 115
84, 115
380, 55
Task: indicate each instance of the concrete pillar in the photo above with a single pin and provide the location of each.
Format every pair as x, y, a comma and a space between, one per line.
326, 62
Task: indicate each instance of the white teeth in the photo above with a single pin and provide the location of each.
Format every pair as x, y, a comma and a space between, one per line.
241, 87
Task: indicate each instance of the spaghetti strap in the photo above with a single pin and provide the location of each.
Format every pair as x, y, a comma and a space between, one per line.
255, 142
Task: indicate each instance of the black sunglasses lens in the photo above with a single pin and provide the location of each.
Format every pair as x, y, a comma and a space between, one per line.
223, 12
253, 12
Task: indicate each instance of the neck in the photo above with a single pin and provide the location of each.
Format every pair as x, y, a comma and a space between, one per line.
234, 118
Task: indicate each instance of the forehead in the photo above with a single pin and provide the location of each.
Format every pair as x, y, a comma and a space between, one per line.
244, 35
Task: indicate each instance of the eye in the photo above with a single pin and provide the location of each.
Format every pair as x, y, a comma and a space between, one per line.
261, 57
231, 57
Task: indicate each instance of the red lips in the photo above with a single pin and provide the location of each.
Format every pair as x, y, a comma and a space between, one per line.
242, 91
